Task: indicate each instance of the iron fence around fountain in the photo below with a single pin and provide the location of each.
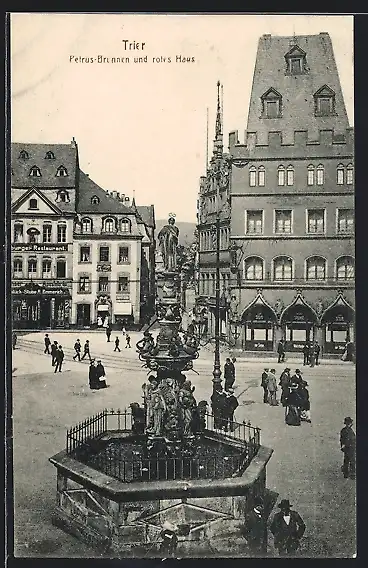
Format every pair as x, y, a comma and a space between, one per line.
82, 441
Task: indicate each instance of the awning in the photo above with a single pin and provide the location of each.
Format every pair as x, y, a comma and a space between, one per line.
123, 309
103, 308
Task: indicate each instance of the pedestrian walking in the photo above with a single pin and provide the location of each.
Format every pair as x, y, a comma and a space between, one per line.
255, 529
54, 348
92, 375
305, 402
123, 328
317, 352
77, 349
287, 528
306, 352
293, 403
127, 339
272, 388
348, 446
86, 351
117, 343
108, 332
281, 351
229, 373
59, 356
312, 355
14, 339
264, 385
284, 383
100, 375
230, 405
47, 342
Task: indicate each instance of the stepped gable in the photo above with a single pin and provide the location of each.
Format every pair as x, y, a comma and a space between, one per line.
107, 203
297, 90
65, 155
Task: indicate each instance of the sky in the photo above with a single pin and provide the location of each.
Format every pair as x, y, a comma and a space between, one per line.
141, 128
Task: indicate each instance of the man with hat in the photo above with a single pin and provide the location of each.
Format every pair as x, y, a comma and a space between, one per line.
255, 528
169, 539
297, 378
348, 445
287, 528
264, 383
230, 405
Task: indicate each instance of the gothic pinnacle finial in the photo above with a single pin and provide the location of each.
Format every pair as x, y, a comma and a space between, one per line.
218, 130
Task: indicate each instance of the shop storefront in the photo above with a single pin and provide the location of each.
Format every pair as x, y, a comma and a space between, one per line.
84, 315
259, 323
298, 326
36, 306
123, 314
338, 325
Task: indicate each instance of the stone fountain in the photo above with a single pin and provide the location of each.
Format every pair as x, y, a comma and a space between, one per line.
124, 474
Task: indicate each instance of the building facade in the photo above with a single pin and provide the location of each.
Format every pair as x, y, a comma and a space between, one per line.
78, 252
292, 203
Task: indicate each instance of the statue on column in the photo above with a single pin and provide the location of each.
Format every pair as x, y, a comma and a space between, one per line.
168, 239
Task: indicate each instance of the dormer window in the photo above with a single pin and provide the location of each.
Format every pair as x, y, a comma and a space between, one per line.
324, 102
296, 61
125, 225
109, 225
23, 155
95, 200
33, 204
62, 196
61, 172
35, 172
271, 104
50, 156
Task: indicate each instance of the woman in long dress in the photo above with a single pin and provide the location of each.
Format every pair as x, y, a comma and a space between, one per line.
293, 401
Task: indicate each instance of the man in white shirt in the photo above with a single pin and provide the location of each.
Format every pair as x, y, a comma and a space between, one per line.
287, 528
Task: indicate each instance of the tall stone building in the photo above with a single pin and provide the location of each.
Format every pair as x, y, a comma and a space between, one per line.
80, 256
292, 203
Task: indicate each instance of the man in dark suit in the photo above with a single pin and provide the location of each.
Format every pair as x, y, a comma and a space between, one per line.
229, 373
59, 358
281, 351
54, 348
264, 384
306, 353
348, 445
255, 529
47, 344
287, 528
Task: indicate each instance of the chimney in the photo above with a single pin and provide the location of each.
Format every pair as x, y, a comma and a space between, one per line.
73, 143
118, 195
127, 201
122, 197
114, 194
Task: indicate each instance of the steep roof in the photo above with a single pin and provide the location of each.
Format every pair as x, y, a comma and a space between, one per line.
296, 90
147, 214
107, 204
65, 155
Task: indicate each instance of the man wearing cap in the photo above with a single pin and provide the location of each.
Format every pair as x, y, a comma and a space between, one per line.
287, 528
264, 385
255, 529
348, 445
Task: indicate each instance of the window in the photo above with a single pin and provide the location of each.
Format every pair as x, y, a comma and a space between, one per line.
123, 254
60, 268
320, 175
261, 176
345, 268
290, 175
272, 109
254, 224
104, 254
46, 268
18, 267
325, 106
32, 266
123, 284
253, 268
295, 61
345, 221
61, 172
252, 176
316, 268
283, 268
18, 233
103, 284
86, 225
283, 221
46, 233
35, 172
50, 155
324, 102
125, 225
316, 221
95, 200
109, 225
33, 235
295, 65
310, 177
350, 174
281, 175
61, 234
340, 174
62, 196
271, 104
33, 204
85, 254
23, 155
84, 284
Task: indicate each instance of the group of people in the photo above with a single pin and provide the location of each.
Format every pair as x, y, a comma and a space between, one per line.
97, 375
56, 352
294, 394
311, 353
117, 339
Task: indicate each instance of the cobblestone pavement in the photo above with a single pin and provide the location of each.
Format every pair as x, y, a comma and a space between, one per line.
305, 466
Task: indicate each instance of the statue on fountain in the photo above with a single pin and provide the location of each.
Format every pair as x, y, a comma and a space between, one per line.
168, 238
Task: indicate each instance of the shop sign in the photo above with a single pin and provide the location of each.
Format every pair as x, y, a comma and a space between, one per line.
260, 345
42, 247
298, 345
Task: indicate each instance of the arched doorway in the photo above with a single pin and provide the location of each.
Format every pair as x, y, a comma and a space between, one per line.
298, 324
259, 323
338, 327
